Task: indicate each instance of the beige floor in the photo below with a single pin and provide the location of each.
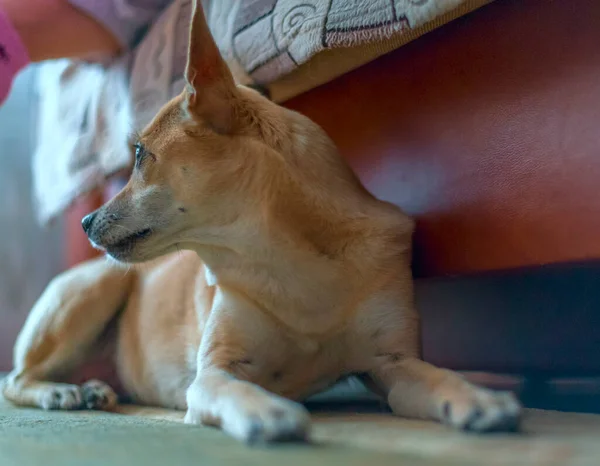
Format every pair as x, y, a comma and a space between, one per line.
148, 436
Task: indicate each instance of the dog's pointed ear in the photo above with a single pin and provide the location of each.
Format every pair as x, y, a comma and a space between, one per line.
211, 93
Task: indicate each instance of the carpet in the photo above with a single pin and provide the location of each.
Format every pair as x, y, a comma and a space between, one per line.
149, 436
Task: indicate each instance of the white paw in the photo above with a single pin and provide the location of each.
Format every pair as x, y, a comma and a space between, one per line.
98, 395
270, 420
481, 410
61, 396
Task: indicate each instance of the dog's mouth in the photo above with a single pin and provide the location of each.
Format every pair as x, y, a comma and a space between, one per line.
124, 245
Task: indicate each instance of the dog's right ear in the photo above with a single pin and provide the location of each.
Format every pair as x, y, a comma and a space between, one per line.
211, 93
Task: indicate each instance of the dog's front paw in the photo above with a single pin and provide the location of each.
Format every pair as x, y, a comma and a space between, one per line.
98, 395
481, 410
272, 420
280, 422
61, 396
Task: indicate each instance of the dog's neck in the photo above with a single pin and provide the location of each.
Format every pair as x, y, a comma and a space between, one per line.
281, 253
272, 276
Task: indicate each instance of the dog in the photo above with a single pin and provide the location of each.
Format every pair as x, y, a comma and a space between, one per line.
270, 273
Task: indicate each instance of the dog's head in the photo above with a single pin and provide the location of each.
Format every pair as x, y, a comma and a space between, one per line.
195, 163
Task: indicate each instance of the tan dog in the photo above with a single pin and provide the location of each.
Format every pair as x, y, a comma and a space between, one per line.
298, 277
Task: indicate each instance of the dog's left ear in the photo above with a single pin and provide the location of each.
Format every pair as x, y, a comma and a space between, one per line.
211, 94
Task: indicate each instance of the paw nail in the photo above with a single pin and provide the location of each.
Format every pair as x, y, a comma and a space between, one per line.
446, 410
254, 432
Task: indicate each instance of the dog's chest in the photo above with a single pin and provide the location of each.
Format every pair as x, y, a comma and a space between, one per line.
305, 298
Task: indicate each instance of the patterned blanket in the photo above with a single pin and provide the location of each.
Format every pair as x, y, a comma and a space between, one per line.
88, 110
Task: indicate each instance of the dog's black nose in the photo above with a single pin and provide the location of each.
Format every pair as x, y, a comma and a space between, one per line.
87, 221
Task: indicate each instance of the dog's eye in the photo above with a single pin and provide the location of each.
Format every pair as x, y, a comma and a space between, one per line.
140, 152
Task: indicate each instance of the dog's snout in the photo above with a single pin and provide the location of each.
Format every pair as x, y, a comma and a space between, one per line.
87, 221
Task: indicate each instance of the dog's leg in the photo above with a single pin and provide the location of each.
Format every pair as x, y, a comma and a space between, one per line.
417, 389
63, 325
243, 409
238, 345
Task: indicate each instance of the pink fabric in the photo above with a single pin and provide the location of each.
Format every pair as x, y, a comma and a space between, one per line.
13, 55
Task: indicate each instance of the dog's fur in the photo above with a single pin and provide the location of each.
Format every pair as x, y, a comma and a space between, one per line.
298, 276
